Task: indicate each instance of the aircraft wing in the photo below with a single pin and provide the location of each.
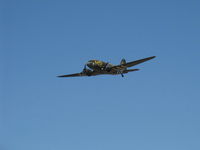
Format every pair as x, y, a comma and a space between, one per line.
132, 63
81, 74
73, 75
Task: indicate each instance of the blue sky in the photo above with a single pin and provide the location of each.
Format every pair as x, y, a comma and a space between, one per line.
156, 108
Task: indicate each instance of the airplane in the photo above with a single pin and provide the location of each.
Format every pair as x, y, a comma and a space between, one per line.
97, 67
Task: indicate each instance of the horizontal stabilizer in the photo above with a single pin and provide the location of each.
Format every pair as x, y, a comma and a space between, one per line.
131, 70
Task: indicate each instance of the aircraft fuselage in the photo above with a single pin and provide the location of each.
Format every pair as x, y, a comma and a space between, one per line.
98, 65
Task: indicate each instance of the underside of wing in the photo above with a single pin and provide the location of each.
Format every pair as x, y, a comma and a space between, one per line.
72, 75
133, 63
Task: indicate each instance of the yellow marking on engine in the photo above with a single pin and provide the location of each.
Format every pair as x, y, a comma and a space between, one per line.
99, 63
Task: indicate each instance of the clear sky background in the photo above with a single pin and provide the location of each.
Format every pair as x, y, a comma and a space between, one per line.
156, 108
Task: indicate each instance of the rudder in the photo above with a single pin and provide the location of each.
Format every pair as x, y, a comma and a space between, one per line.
123, 61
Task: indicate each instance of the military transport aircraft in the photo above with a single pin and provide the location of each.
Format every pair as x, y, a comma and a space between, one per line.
97, 67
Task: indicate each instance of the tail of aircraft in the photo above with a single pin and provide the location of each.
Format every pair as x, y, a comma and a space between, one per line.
123, 61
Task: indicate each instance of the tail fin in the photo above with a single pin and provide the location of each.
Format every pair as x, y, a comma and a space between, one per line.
123, 61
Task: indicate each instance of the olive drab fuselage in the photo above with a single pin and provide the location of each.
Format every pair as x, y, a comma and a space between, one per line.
98, 65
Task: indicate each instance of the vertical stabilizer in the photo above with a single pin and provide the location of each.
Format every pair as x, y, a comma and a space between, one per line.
123, 61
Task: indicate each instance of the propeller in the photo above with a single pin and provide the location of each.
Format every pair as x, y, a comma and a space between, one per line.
107, 67
85, 66
86, 71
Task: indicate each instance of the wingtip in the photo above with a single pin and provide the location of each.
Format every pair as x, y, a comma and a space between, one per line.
152, 57
59, 76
